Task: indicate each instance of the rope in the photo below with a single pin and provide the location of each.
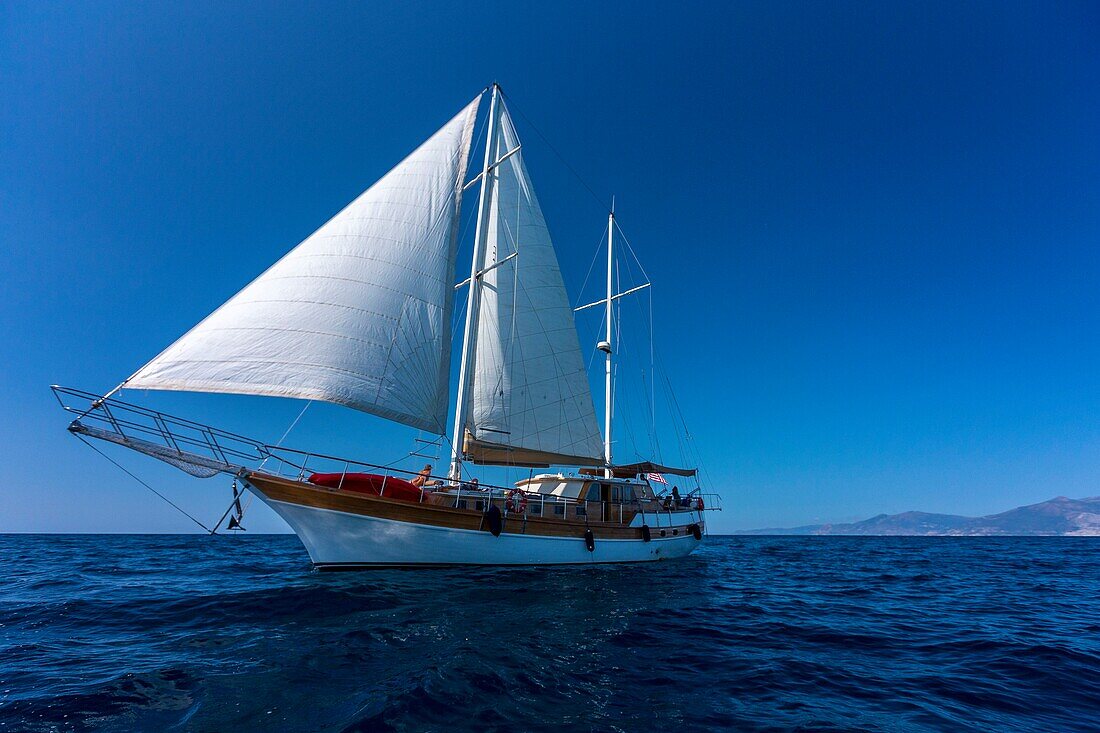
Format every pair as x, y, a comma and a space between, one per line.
630, 249
131, 475
560, 157
251, 496
287, 432
580, 293
278, 444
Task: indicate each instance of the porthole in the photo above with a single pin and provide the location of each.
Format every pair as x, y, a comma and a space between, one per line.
662, 533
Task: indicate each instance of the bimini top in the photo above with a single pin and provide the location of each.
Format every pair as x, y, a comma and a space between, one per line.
650, 467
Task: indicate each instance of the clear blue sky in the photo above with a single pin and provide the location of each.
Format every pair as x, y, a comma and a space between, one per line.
874, 228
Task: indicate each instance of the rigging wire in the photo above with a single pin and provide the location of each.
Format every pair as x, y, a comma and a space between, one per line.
648, 381
688, 449
143, 483
654, 436
652, 386
483, 127
628, 398
248, 502
588, 275
602, 204
630, 249
646, 378
459, 306
685, 443
621, 397
652, 401
481, 137
287, 432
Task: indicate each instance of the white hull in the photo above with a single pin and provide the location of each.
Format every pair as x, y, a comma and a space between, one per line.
337, 539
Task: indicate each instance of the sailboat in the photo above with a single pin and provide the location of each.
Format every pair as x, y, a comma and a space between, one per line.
359, 314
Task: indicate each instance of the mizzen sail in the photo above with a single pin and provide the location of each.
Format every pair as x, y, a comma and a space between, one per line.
532, 404
357, 314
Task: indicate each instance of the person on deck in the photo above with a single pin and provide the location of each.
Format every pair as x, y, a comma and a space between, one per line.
421, 478
676, 501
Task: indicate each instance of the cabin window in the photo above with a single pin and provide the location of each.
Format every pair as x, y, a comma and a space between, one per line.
480, 505
461, 504
616, 493
535, 509
628, 494
593, 493
582, 511
559, 510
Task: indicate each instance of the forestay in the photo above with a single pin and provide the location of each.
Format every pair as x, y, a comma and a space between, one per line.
532, 404
357, 314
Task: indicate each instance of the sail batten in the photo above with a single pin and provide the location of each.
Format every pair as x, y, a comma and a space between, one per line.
532, 404
357, 314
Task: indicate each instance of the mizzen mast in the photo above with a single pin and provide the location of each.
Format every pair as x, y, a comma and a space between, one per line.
605, 346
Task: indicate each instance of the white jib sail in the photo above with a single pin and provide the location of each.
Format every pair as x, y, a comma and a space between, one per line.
530, 388
357, 314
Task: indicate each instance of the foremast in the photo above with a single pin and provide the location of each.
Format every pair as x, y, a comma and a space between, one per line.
469, 334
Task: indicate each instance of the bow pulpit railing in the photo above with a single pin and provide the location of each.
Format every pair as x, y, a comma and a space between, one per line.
200, 450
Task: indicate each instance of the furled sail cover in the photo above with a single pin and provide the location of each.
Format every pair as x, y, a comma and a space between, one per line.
357, 314
532, 404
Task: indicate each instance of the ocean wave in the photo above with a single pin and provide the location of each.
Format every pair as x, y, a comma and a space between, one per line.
751, 633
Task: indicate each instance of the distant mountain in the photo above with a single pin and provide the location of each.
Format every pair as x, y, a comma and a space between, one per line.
1057, 517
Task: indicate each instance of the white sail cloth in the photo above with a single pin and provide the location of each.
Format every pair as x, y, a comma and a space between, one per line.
532, 403
357, 314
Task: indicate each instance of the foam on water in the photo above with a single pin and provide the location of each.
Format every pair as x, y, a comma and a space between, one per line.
752, 633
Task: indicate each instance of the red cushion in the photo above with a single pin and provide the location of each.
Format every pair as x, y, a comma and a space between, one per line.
368, 483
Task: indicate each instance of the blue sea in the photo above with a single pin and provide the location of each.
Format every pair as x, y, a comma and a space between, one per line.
238, 633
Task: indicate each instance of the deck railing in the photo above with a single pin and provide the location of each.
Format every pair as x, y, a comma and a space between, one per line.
462, 494
144, 429
181, 441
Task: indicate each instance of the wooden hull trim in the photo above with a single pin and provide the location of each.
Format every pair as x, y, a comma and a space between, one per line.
303, 494
337, 539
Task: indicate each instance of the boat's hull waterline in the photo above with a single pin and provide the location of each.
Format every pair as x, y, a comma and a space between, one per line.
351, 532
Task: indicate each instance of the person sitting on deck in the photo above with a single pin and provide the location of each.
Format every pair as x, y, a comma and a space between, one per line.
676, 501
421, 478
471, 485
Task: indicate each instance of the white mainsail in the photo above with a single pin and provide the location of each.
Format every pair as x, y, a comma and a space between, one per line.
532, 403
357, 314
